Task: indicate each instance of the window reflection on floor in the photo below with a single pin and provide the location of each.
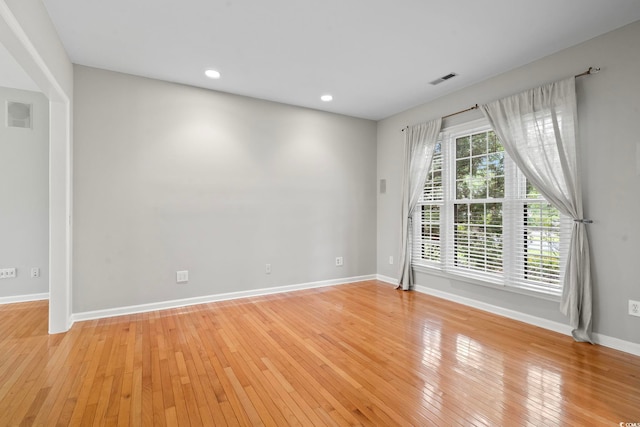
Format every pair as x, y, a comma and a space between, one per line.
431, 353
544, 393
469, 352
431, 359
481, 372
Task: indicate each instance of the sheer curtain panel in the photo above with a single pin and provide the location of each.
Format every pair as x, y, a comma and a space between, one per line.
538, 131
419, 141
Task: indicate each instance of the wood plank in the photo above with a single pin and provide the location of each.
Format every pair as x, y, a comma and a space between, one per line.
358, 354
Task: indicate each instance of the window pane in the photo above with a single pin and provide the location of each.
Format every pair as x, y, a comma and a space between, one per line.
430, 236
462, 147
435, 214
478, 188
496, 163
462, 169
541, 243
461, 213
477, 213
462, 189
479, 165
486, 171
437, 179
496, 187
494, 143
478, 242
532, 192
461, 246
479, 144
433, 190
494, 214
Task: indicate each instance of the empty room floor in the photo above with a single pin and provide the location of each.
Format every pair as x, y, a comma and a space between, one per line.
357, 354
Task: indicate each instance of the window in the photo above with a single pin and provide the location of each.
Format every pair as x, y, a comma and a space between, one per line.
479, 196
478, 217
432, 198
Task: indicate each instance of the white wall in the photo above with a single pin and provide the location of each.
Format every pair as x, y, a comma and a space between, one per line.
609, 127
11, 73
24, 196
171, 177
28, 34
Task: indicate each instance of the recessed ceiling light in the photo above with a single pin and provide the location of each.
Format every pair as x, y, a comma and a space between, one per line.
326, 98
212, 74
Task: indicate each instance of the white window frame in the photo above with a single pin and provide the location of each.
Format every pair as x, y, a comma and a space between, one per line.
514, 184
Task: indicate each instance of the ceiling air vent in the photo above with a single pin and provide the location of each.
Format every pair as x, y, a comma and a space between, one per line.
443, 79
18, 115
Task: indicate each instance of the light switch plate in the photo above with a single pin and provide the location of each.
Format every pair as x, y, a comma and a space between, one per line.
182, 276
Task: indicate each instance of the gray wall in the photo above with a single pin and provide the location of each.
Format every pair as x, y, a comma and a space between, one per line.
170, 177
609, 127
24, 195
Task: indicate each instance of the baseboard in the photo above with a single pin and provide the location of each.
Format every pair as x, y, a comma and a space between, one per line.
24, 298
603, 340
387, 279
164, 305
500, 311
617, 343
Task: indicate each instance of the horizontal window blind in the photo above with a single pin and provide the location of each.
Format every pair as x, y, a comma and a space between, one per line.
478, 217
428, 212
541, 237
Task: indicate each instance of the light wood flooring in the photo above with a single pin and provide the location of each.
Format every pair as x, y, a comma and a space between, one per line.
358, 354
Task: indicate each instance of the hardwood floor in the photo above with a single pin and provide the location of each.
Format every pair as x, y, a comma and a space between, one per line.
359, 354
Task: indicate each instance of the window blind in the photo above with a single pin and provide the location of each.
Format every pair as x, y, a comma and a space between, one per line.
478, 217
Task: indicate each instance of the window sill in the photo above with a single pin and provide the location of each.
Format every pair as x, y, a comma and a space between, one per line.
474, 281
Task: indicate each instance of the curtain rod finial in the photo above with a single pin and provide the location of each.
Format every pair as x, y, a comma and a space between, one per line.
594, 70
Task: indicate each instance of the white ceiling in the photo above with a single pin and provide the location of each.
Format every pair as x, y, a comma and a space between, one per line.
375, 56
12, 75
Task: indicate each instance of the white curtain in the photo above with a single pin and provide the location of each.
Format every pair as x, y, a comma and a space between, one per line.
419, 141
538, 131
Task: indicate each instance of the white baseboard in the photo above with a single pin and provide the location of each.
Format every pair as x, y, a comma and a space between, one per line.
617, 344
164, 305
387, 279
604, 340
24, 298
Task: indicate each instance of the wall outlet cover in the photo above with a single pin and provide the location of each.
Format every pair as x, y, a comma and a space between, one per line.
634, 308
8, 273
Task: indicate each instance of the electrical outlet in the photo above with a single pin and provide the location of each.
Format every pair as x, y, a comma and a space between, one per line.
339, 261
391, 259
35, 272
8, 273
634, 308
182, 276
267, 268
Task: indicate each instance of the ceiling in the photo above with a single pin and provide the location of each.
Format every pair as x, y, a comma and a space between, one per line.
12, 75
376, 57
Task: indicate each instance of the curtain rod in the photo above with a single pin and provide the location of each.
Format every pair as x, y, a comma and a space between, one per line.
475, 107
591, 70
